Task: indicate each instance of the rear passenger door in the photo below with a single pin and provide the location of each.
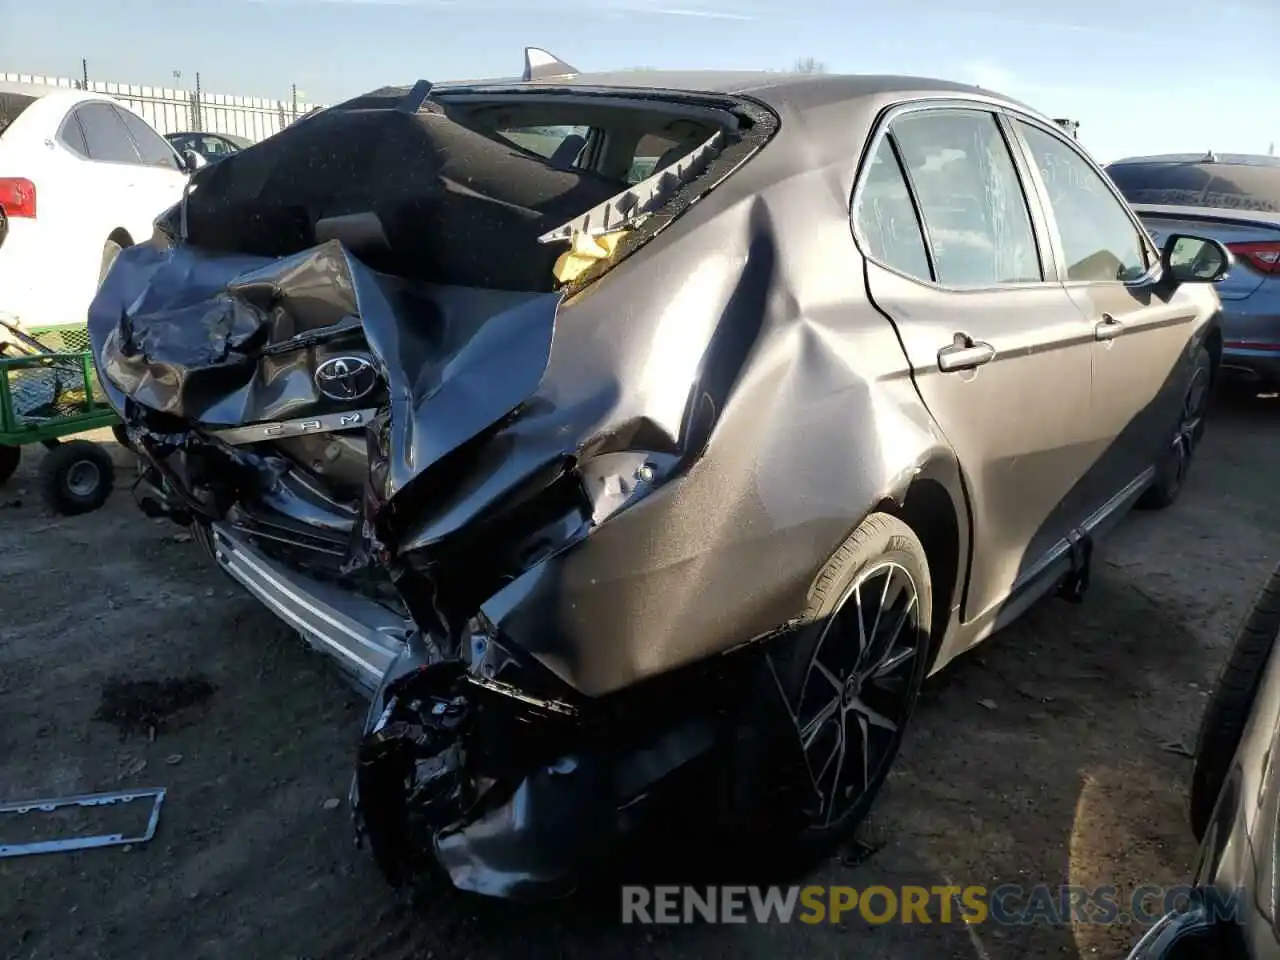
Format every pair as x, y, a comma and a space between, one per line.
159, 179
1140, 337
999, 353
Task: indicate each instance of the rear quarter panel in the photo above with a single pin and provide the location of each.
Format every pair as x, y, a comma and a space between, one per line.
743, 333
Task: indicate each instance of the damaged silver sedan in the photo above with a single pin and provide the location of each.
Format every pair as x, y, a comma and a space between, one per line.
611, 428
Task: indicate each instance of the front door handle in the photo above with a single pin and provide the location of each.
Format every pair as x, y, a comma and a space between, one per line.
965, 353
1108, 329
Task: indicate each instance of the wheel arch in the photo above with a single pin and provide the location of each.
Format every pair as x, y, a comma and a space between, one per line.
120, 236
934, 506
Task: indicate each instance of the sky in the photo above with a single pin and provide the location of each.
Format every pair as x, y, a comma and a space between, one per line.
1141, 77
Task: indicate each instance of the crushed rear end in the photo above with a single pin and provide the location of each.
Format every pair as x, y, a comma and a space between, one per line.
362, 362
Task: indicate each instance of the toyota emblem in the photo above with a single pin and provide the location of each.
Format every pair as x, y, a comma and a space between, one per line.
345, 378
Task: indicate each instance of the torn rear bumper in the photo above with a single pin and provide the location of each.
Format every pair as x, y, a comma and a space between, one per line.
463, 775
562, 819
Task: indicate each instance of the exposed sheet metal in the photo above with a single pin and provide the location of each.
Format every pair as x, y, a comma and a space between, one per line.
202, 342
573, 490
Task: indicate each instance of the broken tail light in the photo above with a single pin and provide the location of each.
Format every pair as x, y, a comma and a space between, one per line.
18, 198
1263, 256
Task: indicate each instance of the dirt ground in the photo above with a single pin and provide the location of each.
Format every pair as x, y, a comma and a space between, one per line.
1049, 755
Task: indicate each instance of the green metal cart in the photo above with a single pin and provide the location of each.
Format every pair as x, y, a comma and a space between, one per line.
49, 390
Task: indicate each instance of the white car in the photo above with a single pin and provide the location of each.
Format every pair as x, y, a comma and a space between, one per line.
81, 176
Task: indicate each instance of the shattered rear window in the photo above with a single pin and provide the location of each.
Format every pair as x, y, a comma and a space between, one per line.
504, 182
11, 105
1235, 186
486, 204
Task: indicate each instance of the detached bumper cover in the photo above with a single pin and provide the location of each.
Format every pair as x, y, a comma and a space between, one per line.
518, 835
561, 818
461, 779
568, 494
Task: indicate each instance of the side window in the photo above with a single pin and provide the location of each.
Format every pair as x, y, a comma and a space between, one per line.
216, 147
72, 136
649, 150
970, 197
1099, 240
886, 220
559, 143
153, 149
105, 134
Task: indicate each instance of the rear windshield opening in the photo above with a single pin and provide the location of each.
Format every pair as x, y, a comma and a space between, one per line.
11, 105
1235, 186
462, 190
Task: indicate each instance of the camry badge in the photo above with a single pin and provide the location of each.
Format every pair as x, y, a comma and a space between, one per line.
346, 378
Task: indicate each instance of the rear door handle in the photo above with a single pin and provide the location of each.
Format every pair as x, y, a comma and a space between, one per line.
965, 353
1108, 329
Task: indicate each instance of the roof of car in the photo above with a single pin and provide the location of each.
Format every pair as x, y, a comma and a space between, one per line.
234, 138
67, 95
1234, 159
772, 87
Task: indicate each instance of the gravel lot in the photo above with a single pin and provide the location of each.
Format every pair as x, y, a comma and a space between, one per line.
1067, 771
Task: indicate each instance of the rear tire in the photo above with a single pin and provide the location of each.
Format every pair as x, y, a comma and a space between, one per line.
844, 703
1171, 472
10, 457
76, 477
1227, 712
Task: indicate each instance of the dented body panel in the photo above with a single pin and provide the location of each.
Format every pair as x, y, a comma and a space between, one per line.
550, 525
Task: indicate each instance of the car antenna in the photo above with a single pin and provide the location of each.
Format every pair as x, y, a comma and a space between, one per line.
541, 65
1210, 157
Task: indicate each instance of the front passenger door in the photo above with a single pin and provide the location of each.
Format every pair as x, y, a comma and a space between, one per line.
999, 354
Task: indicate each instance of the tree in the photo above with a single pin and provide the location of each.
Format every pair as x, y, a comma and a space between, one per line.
809, 65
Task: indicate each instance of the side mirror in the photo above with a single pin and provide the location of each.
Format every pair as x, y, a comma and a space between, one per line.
192, 161
1188, 259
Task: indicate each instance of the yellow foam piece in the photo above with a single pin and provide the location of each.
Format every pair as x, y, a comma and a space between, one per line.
584, 251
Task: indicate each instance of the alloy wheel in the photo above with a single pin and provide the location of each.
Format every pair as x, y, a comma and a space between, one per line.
856, 692
1190, 424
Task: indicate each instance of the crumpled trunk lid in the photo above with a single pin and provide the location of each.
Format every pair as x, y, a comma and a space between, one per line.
247, 351
335, 310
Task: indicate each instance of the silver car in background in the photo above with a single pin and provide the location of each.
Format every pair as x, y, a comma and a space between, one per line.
1234, 198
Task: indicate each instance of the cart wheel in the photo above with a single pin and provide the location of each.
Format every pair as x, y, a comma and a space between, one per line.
76, 477
9, 457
